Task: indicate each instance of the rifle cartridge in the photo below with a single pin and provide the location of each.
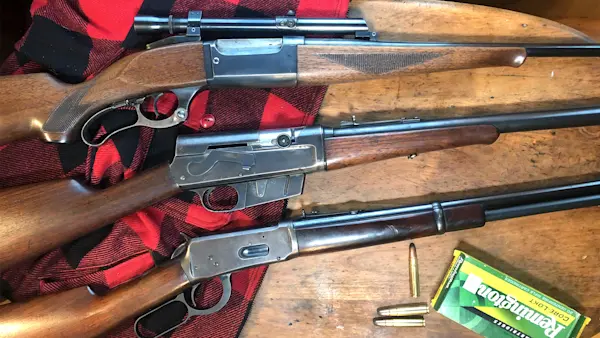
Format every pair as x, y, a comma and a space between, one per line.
400, 322
413, 268
404, 310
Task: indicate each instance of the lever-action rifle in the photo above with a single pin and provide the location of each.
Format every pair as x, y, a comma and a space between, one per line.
262, 166
82, 314
38, 105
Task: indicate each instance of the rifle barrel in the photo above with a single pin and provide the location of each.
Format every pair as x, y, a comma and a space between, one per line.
505, 123
542, 207
508, 200
561, 50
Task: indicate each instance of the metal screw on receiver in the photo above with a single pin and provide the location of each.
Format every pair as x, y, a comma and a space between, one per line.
284, 141
181, 113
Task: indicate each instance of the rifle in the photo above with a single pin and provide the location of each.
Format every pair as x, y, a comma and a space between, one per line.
261, 166
81, 313
38, 105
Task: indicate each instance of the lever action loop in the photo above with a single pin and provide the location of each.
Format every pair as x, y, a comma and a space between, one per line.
179, 116
192, 311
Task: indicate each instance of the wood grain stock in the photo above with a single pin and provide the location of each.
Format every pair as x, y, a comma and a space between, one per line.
77, 313
64, 210
28, 101
341, 152
411, 225
336, 64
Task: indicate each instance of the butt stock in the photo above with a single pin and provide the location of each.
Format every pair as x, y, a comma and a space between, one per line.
39, 105
27, 101
78, 313
345, 151
322, 65
37, 218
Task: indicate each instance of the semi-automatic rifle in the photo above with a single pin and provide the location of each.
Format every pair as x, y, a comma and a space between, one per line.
79, 313
262, 166
267, 53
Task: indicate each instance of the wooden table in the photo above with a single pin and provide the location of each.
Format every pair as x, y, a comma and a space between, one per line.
336, 295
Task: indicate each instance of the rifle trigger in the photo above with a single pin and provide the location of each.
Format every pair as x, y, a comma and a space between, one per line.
192, 311
155, 99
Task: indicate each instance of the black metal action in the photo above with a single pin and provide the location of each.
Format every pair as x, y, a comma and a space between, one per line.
561, 50
505, 123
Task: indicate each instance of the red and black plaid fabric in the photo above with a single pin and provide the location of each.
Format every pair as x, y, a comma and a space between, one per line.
76, 39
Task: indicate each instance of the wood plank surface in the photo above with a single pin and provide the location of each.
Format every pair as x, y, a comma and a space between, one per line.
551, 9
336, 295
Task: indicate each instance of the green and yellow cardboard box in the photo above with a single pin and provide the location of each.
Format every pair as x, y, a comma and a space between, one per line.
496, 305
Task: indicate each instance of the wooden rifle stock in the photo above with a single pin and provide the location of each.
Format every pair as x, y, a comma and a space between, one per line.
27, 103
342, 152
37, 218
29, 100
322, 65
78, 313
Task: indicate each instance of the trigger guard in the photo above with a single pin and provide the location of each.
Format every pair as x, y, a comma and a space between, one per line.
240, 189
95, 117
185, 96
155, 103
178, 117
142, 121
